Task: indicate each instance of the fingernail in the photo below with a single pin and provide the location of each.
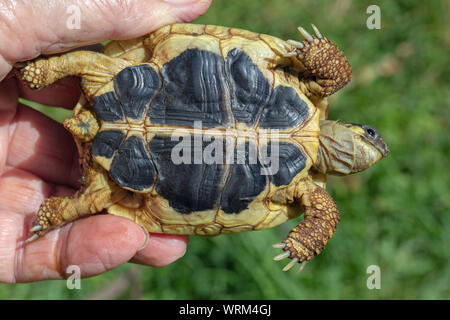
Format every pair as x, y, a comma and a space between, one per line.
147, 237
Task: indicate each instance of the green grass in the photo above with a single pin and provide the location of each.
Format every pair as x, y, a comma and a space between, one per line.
394, 215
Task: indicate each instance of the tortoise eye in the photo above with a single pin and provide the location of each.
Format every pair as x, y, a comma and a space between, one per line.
371, 132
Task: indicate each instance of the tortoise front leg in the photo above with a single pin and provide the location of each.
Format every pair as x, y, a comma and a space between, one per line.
327, 69
320, 221
96, 69
57, 211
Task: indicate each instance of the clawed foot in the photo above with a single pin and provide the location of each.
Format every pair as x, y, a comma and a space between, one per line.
323, 60
308, 239
287, 254
48, 216
35, 74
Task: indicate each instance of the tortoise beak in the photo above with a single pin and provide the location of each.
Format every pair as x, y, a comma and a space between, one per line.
382, 146
376, 140
370, 152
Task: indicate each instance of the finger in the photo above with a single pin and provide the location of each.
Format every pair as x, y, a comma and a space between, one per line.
8, 105
22, 192
43, 147
94, 245
64, 93
11, 226
74, 23
161, 250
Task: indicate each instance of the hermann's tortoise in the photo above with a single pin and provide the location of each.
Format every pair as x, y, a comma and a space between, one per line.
199, 129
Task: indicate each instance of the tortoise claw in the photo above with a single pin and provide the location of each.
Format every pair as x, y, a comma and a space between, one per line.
305, 34
296, 44
282, 256
20, 65
302, 265
32, 238
37, 232
286, 254
290, 264
36, 228
291, 54
279, 245
317, 32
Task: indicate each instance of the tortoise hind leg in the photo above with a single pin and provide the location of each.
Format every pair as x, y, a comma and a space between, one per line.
309, 238
57, 211
96, 69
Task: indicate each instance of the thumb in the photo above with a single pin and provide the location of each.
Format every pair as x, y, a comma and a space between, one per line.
34, 27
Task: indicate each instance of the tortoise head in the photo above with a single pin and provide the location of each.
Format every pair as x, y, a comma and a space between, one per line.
346, 148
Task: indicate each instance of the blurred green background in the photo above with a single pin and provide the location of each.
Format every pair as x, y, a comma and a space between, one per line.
394, 215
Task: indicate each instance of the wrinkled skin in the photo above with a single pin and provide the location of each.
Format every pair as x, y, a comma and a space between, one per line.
38, 157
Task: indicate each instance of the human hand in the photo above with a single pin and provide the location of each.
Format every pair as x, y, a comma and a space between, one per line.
38, 158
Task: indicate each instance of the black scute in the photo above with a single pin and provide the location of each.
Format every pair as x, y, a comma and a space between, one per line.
194, 89
245, 182
284, 110
131, 166
108, 108
250, 89
193, 187
135, 87
291, 161
187, 187
107, 142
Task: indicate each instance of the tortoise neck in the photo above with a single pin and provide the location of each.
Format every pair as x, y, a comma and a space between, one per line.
336, 149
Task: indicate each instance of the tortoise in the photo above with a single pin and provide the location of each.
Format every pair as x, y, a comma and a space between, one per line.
206, 130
